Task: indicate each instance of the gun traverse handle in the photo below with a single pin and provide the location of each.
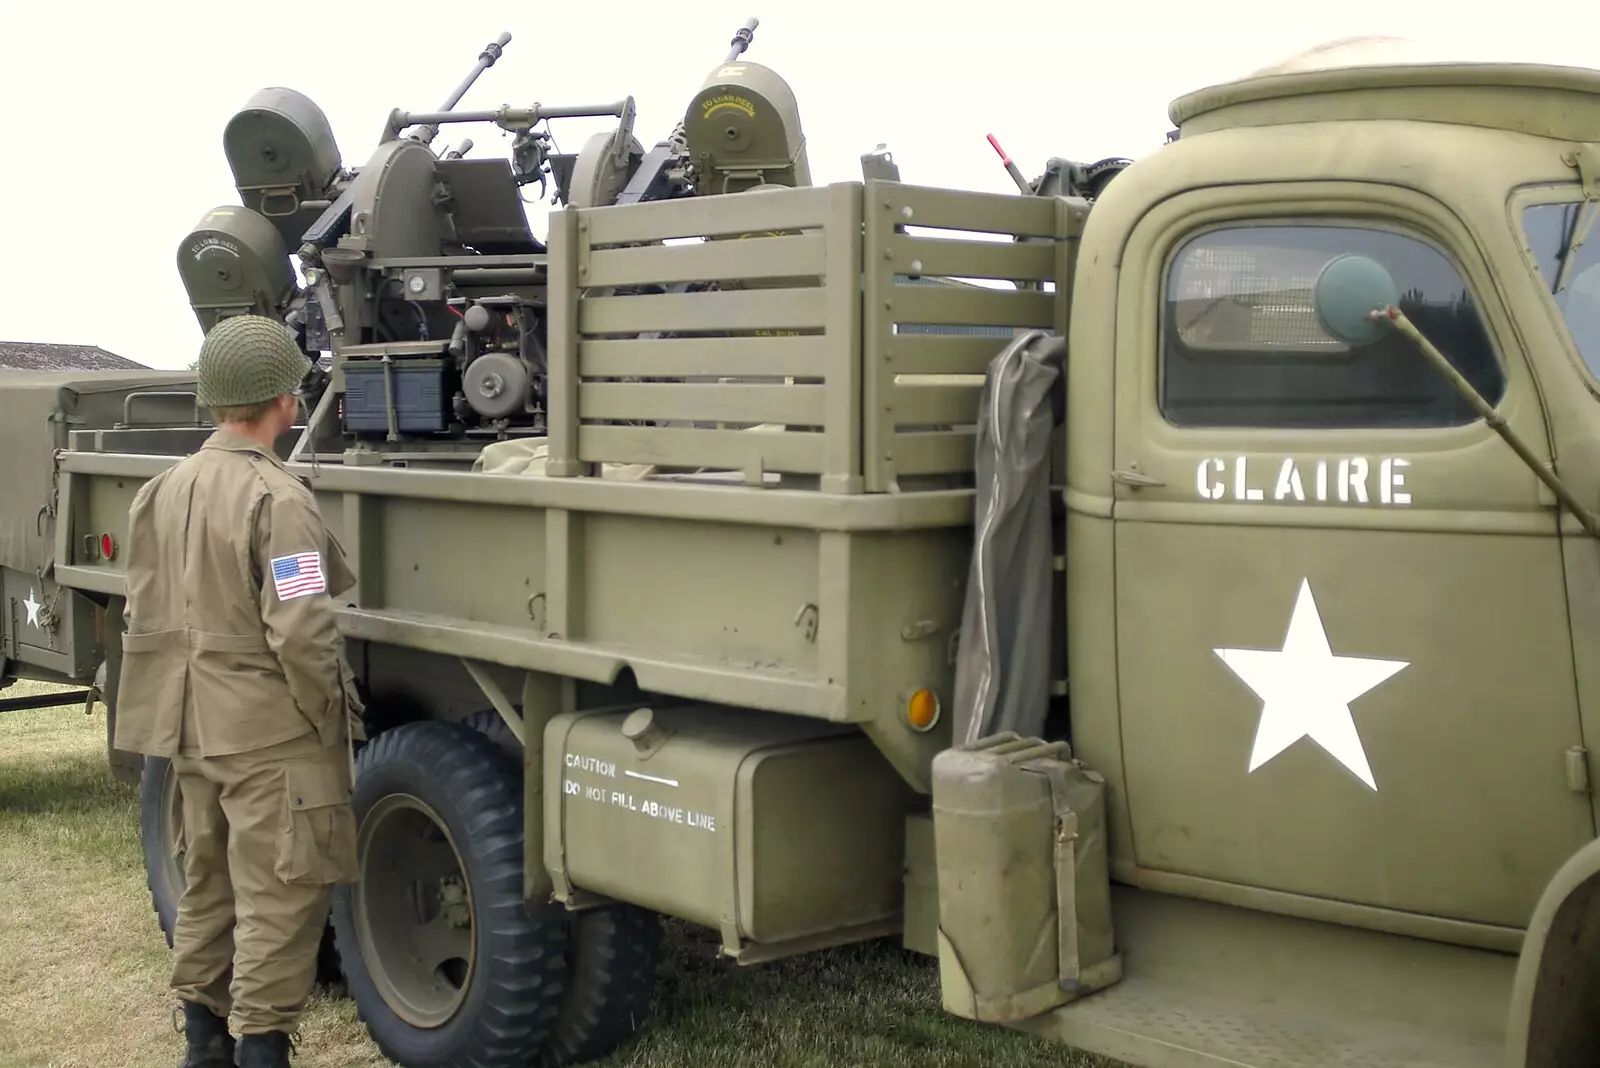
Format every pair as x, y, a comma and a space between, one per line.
1011, 168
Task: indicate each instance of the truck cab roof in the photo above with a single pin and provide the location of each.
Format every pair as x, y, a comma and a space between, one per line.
1394, 78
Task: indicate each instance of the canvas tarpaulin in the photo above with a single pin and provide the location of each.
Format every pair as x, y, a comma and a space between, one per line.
37, 413
1003, 664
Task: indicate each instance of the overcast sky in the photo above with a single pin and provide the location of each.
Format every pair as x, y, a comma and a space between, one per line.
114, 111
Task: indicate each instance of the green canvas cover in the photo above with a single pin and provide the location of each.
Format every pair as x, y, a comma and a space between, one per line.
37, 413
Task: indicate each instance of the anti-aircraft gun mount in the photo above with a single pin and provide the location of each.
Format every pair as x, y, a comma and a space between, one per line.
420, 274
1065, 177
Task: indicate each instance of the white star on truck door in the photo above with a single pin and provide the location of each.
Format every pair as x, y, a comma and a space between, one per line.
1306, 691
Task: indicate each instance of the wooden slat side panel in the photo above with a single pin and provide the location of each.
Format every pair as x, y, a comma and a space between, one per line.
767, 289
919, 404
941, 305
736, 450
719, 402
843, 420
717, 312
798, 255
734, 214
831, 309
965, 210
798, 356
960, 306
561, 344
948, 258
936, 452
939, 354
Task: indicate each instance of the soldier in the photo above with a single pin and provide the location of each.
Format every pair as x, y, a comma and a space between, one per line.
233, 667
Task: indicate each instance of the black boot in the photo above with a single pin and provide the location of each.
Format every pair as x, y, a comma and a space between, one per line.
270, 1050
209, 1044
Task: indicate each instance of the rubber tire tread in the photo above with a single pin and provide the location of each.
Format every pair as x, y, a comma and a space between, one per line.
163, 896
616, 950
520, 974
492, 725
613, 955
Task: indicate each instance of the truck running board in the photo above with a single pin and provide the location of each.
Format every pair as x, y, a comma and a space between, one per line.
1209, 985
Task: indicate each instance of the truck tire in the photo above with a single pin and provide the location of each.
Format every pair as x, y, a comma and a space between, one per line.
446, 966
492, 725
615, 951
613, 954
160, 825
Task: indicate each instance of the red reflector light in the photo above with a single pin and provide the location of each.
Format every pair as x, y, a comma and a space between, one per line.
107, 546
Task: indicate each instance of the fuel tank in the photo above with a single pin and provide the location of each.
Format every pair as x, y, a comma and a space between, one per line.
768, 828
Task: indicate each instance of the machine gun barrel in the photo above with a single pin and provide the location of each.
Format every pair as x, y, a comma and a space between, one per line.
736, 48
486, 58
741, 40
509, 116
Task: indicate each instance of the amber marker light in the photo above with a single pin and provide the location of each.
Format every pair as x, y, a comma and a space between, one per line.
922, 710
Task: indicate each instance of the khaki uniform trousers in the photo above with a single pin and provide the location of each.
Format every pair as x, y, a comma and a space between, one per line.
268, 834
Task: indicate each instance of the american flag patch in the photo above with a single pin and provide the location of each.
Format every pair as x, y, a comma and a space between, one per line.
298, 575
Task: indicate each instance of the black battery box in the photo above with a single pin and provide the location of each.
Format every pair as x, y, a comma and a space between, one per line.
422, 394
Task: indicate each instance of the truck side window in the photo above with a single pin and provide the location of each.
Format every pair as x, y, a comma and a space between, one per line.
1241, 345
1550, 229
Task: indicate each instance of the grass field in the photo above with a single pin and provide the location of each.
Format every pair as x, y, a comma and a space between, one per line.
84, 981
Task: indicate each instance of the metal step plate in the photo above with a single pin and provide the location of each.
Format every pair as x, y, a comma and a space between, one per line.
1209, 985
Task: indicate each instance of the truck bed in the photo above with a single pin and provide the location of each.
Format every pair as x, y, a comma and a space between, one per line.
824, 576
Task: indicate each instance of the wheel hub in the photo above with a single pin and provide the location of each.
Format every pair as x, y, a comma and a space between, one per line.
414, 911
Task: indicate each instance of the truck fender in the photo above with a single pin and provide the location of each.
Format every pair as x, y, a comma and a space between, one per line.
1557, 981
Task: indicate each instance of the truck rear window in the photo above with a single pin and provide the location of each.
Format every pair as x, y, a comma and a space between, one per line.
1551, 228
1241, 346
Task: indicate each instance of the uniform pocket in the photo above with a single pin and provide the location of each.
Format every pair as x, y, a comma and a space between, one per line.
317, 840
150, 692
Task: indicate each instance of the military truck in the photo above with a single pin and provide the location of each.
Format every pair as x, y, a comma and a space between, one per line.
1195, 673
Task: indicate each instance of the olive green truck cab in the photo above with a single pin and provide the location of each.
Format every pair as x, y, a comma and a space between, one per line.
1213, 688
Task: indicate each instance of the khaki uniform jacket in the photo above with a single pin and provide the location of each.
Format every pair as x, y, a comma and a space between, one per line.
231, 642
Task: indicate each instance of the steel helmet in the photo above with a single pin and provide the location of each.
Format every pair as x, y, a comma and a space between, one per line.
247, 359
